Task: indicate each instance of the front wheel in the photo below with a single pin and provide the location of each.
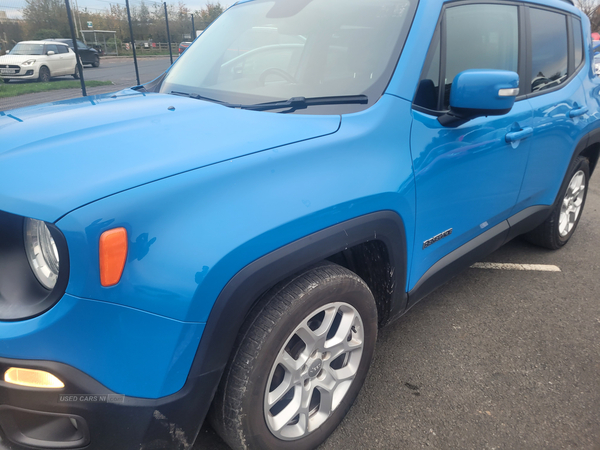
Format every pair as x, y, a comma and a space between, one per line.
562, 222
96, 61
44, 75
301, 360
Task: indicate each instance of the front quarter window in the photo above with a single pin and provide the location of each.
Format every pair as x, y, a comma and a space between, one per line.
273, 50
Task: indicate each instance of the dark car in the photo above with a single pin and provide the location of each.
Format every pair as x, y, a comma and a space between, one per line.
88, 55
183, 46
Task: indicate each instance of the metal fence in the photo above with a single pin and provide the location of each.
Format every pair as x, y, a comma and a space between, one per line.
120, 44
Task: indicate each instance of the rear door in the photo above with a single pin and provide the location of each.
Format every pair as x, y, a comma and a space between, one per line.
67, 59
555, 90
468, 177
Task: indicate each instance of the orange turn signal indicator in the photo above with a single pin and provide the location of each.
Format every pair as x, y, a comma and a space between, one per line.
113, 254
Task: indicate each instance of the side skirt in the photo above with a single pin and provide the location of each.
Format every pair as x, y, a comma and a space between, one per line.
471, 252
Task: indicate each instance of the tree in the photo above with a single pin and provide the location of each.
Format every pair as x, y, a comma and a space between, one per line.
46, 34
46, 15
209, 13
591, 9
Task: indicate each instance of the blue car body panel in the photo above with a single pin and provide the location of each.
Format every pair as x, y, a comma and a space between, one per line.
263, 201
457, 167
201, 206
127, 143
129, 351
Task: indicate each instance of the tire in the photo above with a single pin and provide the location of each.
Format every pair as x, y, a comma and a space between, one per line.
96, 61
257, 403
76, 73
44, 75
558, 228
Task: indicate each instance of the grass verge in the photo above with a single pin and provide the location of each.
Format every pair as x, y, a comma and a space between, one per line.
14, 89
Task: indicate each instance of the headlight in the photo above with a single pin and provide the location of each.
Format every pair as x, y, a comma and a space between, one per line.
42, 252
29, 62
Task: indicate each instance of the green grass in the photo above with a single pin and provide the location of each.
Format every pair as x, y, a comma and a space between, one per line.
13, 89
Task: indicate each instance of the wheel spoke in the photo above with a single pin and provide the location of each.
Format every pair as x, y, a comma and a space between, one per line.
311, 340
283, 388
293, 366
343, 330
289, 412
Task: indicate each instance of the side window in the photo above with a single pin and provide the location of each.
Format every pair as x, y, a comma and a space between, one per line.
549, 49
482, 36
62, 49
51, 48
578, 42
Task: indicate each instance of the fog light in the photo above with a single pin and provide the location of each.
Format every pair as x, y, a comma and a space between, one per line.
32, 378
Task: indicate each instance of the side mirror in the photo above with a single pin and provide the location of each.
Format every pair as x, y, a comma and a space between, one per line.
479, 92
7, 52
49, 53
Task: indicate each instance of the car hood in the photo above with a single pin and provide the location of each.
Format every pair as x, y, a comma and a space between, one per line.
59, 156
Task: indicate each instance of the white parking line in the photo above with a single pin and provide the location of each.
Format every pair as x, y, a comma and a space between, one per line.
505, 266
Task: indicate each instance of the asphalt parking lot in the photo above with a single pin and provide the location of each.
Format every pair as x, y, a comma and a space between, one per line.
495, 359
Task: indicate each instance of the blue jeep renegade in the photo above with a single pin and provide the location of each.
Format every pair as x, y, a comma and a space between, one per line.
341, 160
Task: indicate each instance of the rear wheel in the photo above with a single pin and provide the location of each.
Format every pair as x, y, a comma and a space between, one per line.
301, 360
556, 231
44, 75
96, 61
76, 74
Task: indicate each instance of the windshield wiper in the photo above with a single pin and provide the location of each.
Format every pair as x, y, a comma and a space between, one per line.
200, 97
292, 104
302, 102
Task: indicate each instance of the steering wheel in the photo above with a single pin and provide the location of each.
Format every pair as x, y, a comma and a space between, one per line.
275, 71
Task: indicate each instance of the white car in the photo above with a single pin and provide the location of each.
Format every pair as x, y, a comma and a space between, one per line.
38, 60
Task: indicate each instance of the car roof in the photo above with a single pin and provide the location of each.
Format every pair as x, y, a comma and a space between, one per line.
45, 41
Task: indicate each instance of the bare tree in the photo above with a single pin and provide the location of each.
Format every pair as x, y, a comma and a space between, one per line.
591, 9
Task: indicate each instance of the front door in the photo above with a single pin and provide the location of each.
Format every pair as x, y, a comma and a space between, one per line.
468, 177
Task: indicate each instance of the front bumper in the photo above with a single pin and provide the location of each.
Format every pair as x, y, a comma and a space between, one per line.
25, 73
85, 414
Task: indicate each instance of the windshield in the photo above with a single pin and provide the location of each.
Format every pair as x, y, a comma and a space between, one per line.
271, 50
28, 49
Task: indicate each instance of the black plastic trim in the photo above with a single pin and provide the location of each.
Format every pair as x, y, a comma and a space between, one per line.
527, 220
110, 420
246, 287
21, 295
39, 429
453, 263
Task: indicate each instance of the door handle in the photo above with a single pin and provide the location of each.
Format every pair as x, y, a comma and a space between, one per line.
515, 136
578, 112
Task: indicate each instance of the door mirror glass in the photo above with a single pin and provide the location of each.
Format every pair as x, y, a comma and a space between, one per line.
481, 92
